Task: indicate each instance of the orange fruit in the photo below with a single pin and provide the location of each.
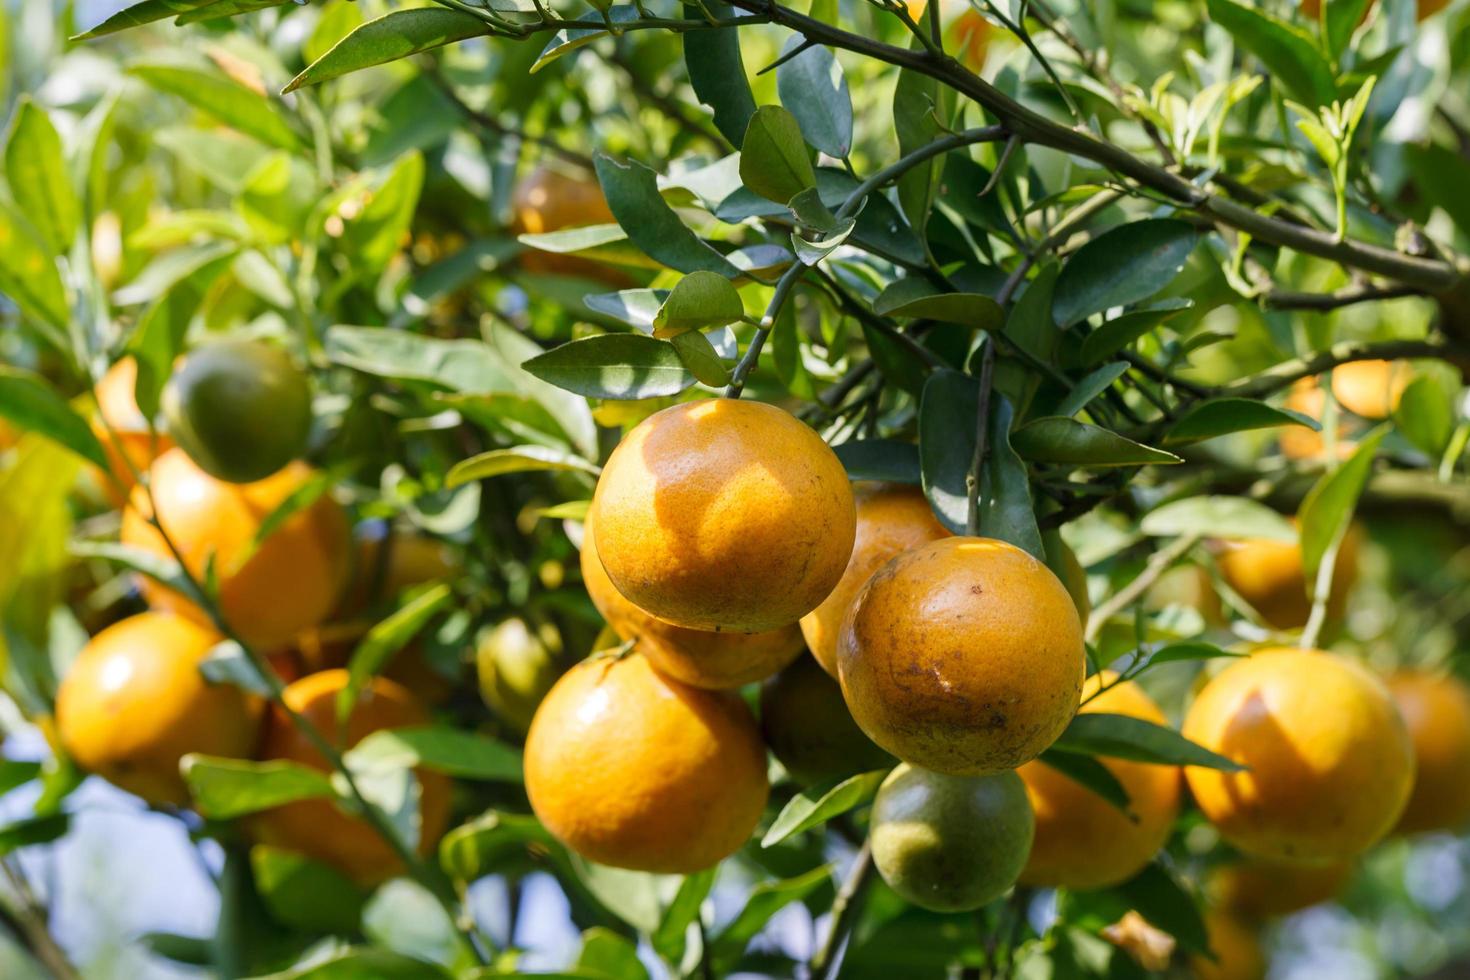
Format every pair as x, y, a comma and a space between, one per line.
1083, 841
1258, 888
809, 729
268, 592
1330, 761
134, 703
970, 34
129, 445
317, 828
1298, 441
697, 657
1371, 389
551, 199
332, 645
963, 656
633, 770
241, 409
1436, 709
724, 514
891, 519
386, 563
1268, 574
1236, 947
950, 843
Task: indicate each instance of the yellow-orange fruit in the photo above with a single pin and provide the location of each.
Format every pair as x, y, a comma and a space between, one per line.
548, 200
633, 770
1330, 763
963, 656
317, 828
971, 33
1371, 389
122, 429
1258, 888
1437, 711
1268, 574
1083, 841
267, 593
724, 514
1237, 949
134, 703
891, 519
1300, 442
698, 657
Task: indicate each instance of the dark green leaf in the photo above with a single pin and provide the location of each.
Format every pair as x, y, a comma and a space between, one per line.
1087, 771
306, 894
1222, 416
227, 788
774, 160
33, 830
698, 355
923, 110
814, 88
897, 356
1287, 52
617, 366
1426, 415
396, 35
1121, 266
27, 400
1126, 737
1440, 177
443, 749
187, 950
1113, 335
699, 300
1340, 19
469, 852
668, 940
141, 13
1164, 903
717, 72
1065, 440
914, 297
816, 805
887, 460
1328, 507
1090, 387
766, 899
633, 196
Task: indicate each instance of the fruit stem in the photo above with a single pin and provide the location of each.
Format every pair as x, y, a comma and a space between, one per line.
827, 961
982, 438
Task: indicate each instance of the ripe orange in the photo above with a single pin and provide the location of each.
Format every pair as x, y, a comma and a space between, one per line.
963, 656
129, 446
268, 592
891, 519
1083, 841
317, 828
1436, 709
697, 657
809, 729
950, 843
134, 703
240, 409
1371, 389
1300, 442
1268, 574
724, 514
550, 199
1257, 888
1237, 949
633, 770
971, 39
1330, 761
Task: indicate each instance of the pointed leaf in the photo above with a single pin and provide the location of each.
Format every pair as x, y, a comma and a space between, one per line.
617, 366
40, 182
1126, 737
774, 160
914, 297
1222, 416
396, 35
27, 400
699, 300
717, 72
814, 88
1328, 507
818, 804
632, 195
1065, 440
1223, 517
1122, 266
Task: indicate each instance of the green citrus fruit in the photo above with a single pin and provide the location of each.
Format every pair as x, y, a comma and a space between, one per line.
809, 729
240, 409
517, 667
950, 843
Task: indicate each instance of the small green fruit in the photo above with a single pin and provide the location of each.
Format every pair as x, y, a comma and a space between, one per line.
951, 843
809, 729
517, 667
240, 409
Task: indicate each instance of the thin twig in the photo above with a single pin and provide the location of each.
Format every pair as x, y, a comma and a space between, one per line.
982, 437
1158, 563
826, 962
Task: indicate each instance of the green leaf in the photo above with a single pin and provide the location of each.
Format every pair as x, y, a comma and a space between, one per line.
816, 805
306, 894
1222, 416
1426, 415
376, 234
1339, 20
717, 72
33, 830
1440, 177
365, 963
1289, 54
636, 307
774, 160
923, 109
701, 299
1327, 510
633, 197
1161, 900
897, 356
616, 366
1223, 517
1090, 387
224, 99
668, 940
814, 88
1090, 773
29, 277
188, 950
15, 773
520, 459
1030, 324
605, 954
913, 296
387, 638
698, 355
399, 34
40, 183
157, 567
1113, 335
766, 899
570, 39
1122, 266
1064, 440
443, 749
1126, 737
475, 849
887, 460
1173, 653
141, 13
227, 788
228, 663
27, 400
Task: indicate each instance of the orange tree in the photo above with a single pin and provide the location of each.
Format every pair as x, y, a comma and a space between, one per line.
1017, 359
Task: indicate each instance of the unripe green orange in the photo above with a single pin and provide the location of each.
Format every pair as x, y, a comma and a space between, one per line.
809, 729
